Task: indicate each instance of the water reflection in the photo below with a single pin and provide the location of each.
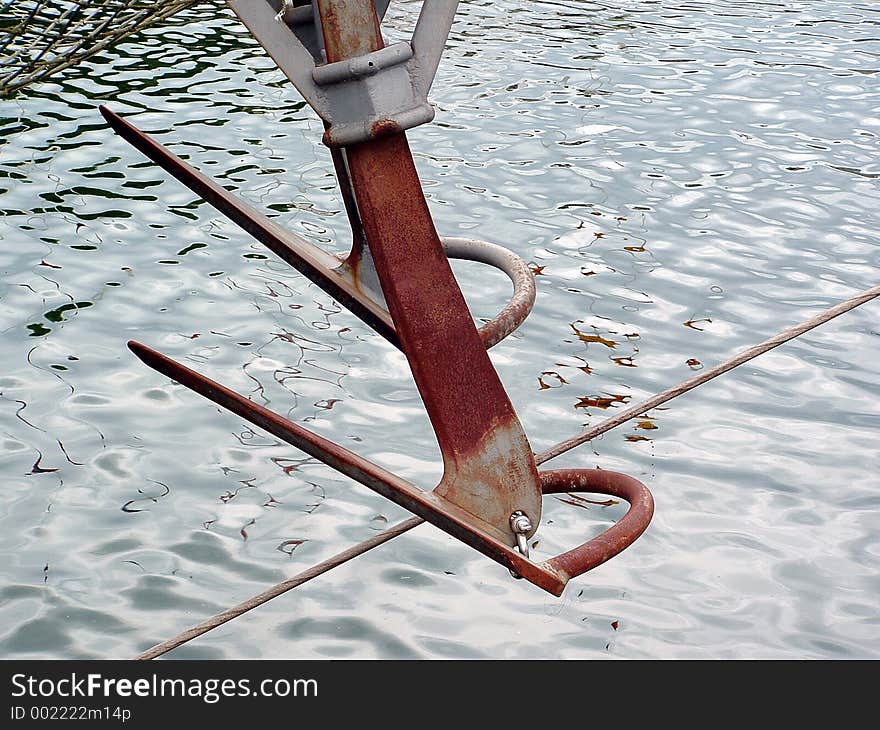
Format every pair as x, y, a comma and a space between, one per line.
684, 181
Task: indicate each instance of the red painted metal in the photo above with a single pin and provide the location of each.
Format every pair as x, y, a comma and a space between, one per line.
616, 538
351, 281
490, 471
551, 575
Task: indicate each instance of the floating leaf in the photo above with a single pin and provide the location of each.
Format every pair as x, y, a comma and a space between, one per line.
328, 403
615, 625
594, 338
600, 402
288, 546
573, 503
550, 374
537, 270
626, 362
647, 425
632, 437
602, 503
692, 324
694, 363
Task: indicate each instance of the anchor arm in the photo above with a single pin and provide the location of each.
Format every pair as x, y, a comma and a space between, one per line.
313, 262
340, 279
430, 506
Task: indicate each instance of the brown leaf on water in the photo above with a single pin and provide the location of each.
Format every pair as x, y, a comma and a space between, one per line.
692, 324
647, 425
551, 374
572, 503
288, 468
537, 270
694, 363
602, 503
631, 437
626, 362
601, 402
598, 339
593, 338
615, 625
328, 403
288, 546
635, 249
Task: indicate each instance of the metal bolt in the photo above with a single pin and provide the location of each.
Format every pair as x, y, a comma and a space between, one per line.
521, 526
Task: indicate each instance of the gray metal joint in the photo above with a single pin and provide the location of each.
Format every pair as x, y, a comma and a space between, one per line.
361, 98
372, 95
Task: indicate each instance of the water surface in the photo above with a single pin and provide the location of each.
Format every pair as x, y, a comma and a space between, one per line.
685, 178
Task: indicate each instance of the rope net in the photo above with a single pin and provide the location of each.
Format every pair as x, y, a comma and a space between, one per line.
41, 37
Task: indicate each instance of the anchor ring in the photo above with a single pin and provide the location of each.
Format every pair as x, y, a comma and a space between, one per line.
517, 309
616, 538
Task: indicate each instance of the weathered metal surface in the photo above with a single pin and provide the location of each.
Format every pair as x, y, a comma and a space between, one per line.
311, 260
488, 464
490, 494
551, 575
299, 16
616, 538
353, 282
517, 309
351, 25
430, 506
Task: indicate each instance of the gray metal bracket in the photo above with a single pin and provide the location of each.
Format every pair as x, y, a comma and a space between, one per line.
365, 97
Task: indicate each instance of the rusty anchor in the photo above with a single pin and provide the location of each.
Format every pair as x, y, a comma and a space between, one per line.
397, 279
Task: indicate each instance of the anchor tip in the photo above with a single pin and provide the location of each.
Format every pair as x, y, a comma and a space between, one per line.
137, 348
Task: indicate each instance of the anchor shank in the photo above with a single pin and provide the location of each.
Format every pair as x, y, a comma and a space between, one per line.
489, 469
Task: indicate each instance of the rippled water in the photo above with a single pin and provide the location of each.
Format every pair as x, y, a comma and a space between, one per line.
686, 178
